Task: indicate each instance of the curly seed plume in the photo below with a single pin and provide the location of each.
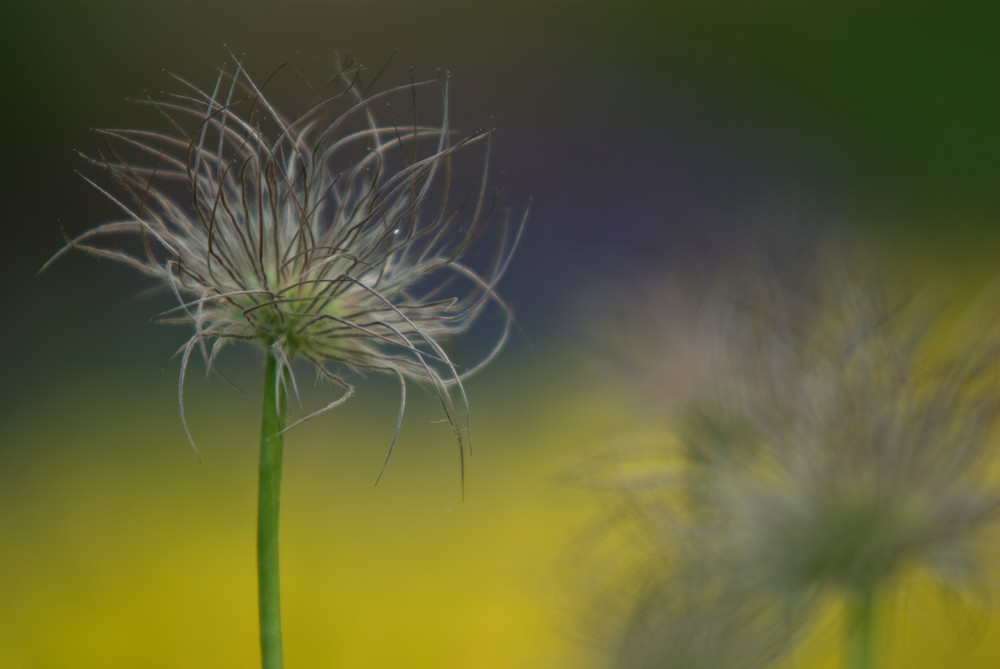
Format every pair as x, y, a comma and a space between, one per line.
332, 237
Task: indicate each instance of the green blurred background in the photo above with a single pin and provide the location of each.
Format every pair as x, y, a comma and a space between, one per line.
652, 137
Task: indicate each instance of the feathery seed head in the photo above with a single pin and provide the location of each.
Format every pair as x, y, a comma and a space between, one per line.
877, 440
847, 441
333, 236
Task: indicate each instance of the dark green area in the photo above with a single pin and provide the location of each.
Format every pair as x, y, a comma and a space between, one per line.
877, 111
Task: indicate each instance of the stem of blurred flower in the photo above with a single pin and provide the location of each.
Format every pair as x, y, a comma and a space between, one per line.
860, 620
269, 493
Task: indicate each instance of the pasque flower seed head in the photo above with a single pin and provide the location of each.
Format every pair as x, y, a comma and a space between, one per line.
848, 442
333, 236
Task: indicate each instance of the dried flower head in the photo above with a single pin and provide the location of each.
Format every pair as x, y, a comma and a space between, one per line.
876, 435
334, 236
849, 442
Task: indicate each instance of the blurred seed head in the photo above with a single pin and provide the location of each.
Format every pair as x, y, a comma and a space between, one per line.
333, 236
847, 439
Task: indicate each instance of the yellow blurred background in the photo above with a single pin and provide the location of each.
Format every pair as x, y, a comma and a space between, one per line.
121, 549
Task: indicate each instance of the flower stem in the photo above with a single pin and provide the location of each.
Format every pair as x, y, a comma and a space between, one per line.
269, 494
860, 644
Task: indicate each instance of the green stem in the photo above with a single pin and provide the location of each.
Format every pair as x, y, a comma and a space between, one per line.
861, 630
269, 494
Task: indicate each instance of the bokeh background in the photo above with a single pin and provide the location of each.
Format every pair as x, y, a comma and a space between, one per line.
653, 139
